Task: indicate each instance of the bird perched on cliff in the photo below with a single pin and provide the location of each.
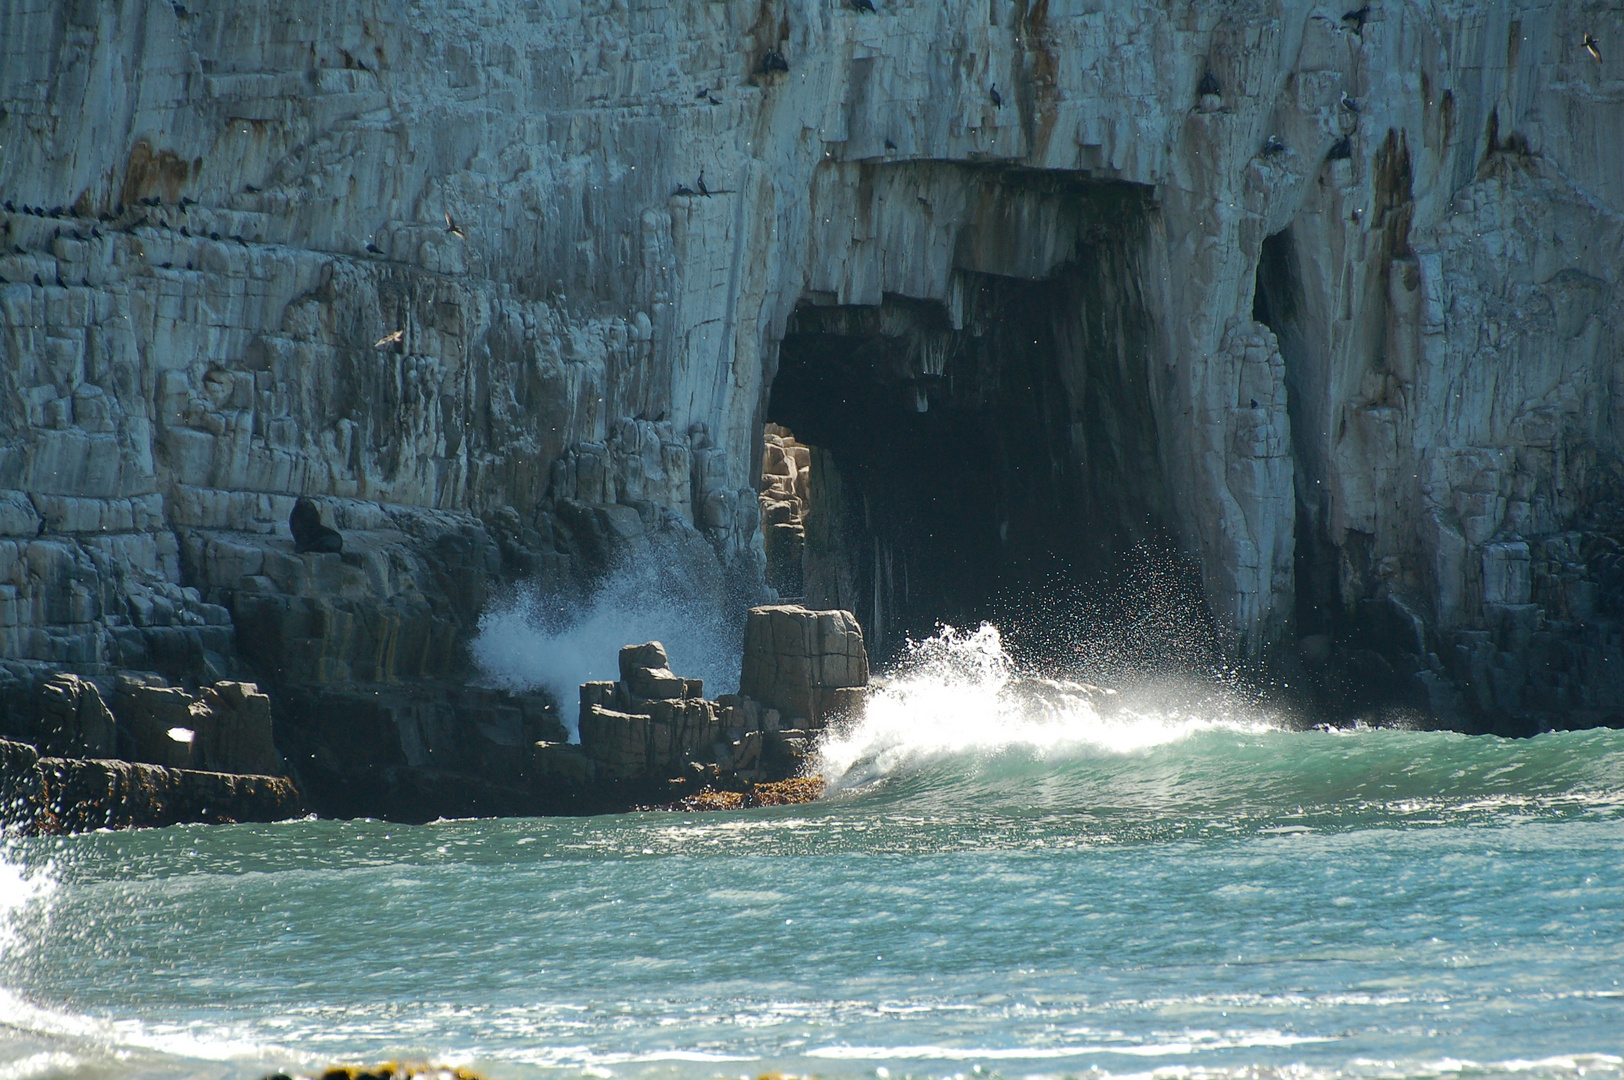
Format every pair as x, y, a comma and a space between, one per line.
702, 93
997, 98
1592, 46
390, 339
451, 226
1341, 150
1350, 104
703, 190
864, 5
772, 61
889, 145
1355, 20
1272, 146
683, 189
1208, 85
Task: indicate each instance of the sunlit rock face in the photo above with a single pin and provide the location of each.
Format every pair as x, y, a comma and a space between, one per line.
1349, 288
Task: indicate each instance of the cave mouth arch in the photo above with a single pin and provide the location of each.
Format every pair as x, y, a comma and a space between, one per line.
967, 461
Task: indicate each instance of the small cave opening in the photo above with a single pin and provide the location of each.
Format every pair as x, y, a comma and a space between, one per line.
928, 463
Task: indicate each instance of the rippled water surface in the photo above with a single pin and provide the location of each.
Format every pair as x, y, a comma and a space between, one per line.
1003, 885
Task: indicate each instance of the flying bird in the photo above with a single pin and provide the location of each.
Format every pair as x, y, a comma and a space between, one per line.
1591, 46
451, 226
390, 339
997, 98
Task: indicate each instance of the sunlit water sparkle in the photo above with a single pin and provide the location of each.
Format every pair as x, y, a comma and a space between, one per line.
1006, 881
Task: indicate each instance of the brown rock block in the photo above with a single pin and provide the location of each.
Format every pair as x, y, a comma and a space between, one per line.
796, 659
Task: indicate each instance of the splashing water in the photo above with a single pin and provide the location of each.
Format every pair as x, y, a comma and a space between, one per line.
959, 695
551, 643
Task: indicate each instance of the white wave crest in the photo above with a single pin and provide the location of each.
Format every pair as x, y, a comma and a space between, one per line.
958, 694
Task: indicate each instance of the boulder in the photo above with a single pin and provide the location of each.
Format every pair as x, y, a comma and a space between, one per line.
156, 723
74, 721
233, 724
809, 665
647, 673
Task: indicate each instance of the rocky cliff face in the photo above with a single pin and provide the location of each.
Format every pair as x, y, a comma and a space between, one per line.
1332, 303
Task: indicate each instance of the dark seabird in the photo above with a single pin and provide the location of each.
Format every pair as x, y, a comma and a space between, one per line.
390, 339
704, 92
864, 5
1273, 146
712, 100
451, 226
703, 190
214, 236
683, 189
166, 266
1349, 103
1355, 20
239, 239
56, 211
184, 233
38, 282
184, 203
1208, 85
1254, 403
889, 145
1592, 46
374, 248
773, 61
251, 189
10, 209
997, 98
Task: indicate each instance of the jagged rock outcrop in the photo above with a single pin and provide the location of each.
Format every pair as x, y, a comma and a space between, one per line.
60, 794
811, 666
1333, 307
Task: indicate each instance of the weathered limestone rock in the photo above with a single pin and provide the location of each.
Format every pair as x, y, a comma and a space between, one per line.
53, 794
806, 664
74, 721
1360, 345
650, 724
233, 725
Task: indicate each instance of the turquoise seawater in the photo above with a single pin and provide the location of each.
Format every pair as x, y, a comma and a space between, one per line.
1006, 883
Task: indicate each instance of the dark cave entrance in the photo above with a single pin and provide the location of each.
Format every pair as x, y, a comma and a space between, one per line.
960, 469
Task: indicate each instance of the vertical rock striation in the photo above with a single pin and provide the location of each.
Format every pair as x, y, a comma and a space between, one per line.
1332, 306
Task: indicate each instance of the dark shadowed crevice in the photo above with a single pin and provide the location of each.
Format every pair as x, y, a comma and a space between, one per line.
1277, 302
957, 473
